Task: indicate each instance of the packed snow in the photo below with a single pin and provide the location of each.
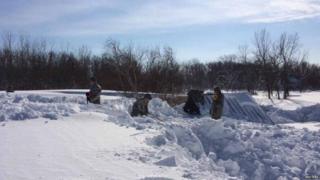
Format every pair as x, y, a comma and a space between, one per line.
299, 107
50, 135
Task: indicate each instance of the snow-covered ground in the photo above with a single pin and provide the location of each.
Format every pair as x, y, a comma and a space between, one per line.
299, 107
49, 135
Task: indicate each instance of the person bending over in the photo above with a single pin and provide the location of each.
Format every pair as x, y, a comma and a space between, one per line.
93, 96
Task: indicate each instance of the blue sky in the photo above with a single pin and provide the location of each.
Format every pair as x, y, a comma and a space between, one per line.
203, 29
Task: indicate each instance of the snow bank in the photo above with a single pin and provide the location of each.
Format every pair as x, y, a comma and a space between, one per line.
160, 108
21, 107
187, 139
260, 151
247, 150
244, 149
303, 114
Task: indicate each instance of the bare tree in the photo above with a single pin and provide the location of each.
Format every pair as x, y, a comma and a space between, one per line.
194, 74
127, 62
249, 71
288, 52
262, 54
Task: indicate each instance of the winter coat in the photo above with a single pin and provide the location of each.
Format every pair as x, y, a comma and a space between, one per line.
191, 107
195, 97
217, 105
94, 94
140, 107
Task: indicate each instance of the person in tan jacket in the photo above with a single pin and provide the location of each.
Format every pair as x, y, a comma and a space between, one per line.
217, 103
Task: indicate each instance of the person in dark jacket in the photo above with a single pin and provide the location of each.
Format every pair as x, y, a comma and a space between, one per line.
10, 89
140, 107
217, 103
195, 97
93, 95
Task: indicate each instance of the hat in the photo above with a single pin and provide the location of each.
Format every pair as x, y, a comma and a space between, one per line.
147, 96
217, 89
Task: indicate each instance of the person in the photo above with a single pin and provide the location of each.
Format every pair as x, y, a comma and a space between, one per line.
140, 107
10, 89
93, 96
217, 103
195, 97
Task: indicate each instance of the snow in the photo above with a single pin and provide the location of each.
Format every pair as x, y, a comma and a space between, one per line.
299, 107
295, 100
245, 149
21, 106
170, 161
81, 146
53, 135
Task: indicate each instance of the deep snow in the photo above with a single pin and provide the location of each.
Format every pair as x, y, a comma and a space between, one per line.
299, 107
61, 137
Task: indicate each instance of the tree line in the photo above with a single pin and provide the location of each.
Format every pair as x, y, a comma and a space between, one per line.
276, 66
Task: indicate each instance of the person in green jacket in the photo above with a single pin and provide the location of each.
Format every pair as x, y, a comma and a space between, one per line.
140, 107
217, 103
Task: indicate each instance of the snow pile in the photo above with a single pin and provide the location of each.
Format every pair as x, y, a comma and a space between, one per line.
21, 107
160, 108
186, 138
246, 150
117, 109
52, 106
243, 149
260, 151
303, 114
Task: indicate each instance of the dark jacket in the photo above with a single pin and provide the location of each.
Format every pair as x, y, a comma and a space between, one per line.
195, 97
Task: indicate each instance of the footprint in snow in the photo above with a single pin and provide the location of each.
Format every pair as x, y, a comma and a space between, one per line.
3, 124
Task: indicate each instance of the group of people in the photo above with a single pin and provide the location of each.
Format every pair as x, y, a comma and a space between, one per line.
140, 107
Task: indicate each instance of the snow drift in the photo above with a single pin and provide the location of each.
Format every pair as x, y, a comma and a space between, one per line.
303, 114
21, 107
255, 151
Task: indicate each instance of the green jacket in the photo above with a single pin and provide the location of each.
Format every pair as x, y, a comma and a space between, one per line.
140, 107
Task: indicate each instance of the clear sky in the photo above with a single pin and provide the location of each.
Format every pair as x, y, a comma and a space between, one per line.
203, 29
